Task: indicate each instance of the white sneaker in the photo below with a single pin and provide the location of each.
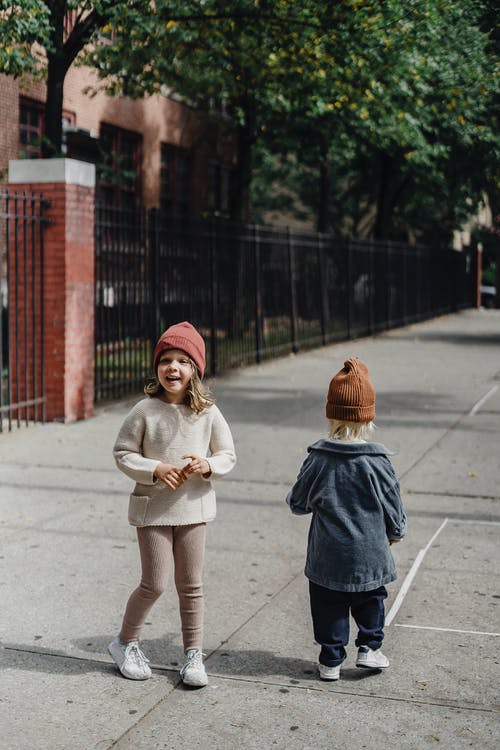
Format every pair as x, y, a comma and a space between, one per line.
130, 660
193, 672
371, 659
329, 673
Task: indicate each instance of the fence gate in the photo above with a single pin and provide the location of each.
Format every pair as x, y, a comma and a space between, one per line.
22, 388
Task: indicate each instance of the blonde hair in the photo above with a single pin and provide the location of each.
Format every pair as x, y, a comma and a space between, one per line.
340, 430
198, 396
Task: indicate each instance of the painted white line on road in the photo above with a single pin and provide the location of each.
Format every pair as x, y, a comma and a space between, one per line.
411, 575
446, 630
482, 401
484, 523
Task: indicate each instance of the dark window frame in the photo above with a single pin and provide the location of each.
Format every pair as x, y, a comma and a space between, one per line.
219, 187
35, 110
123, 149
31, 128
175, 179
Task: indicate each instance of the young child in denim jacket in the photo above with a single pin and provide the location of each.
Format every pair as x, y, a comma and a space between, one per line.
348, 484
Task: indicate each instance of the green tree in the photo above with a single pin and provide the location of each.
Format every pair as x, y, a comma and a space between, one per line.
376, 107
34, 41
214, 50
406, 123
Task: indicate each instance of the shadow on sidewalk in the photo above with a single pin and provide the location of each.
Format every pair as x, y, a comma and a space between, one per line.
248, 664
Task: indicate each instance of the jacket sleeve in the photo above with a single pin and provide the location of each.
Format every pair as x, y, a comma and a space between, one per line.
223, 457
127, 450
298, 497
394, 514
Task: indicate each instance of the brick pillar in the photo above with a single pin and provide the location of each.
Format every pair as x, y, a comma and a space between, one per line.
68, 280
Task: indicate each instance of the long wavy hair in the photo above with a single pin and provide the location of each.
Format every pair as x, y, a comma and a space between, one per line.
198, 396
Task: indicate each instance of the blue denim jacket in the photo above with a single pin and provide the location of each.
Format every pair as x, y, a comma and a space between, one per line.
353, 494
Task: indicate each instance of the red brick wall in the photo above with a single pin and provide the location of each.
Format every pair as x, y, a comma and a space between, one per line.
9, 123
79, 290
68, 293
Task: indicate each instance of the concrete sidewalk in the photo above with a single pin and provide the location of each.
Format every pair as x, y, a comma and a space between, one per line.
69, 561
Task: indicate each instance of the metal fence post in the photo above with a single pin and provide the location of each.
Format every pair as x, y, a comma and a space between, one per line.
405, 286
322, 288
258, 297
213, 298
293, 291
371, 287
388, 293
44, 205
349, 300
153, 249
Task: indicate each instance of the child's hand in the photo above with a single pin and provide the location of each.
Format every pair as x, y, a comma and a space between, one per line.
197, 465
171, 476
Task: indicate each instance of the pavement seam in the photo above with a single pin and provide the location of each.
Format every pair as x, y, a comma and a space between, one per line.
461, 496
270, 683
357, 694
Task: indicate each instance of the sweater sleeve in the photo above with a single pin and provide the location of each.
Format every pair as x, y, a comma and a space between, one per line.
127, 450
222, 456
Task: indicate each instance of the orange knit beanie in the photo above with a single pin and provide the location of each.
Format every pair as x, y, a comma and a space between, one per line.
351, 395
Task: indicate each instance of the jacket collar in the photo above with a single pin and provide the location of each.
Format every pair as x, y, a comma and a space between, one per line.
346, 448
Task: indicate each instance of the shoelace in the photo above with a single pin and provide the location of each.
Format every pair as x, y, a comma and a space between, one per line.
193, 659
134, 652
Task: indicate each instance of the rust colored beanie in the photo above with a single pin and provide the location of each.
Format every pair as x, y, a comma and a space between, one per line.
182, 336
351, 395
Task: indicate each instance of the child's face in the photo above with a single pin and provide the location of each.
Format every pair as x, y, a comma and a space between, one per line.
174, 374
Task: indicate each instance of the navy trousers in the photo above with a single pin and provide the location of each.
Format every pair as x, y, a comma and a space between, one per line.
330, 616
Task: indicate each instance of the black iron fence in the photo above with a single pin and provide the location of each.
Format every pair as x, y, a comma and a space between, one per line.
254, 292
22, 387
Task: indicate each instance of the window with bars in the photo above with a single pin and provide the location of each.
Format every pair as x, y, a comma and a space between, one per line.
175, 180
219, 187
120, 166
31, 128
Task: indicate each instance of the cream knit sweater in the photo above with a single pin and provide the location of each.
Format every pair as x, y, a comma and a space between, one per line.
155, 432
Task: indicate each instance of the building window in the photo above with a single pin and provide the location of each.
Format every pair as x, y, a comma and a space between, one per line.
31, 128
120, 166
219, 187
175, 180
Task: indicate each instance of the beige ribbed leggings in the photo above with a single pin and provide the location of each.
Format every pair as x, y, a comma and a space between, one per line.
157, 545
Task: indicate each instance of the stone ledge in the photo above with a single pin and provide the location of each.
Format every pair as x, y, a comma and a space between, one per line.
37, 171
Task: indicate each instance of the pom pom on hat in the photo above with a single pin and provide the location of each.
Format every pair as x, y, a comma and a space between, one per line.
351, 395
185, 337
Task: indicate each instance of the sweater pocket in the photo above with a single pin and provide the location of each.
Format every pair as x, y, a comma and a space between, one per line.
137, 509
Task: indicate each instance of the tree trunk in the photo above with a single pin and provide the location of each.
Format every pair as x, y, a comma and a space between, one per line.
386, 197
59, 61
240, 199
324, 185
56, 73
